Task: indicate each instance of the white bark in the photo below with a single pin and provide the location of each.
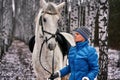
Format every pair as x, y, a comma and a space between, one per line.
91, 19
103, 38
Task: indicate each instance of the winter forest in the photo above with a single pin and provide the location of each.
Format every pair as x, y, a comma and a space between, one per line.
17, 26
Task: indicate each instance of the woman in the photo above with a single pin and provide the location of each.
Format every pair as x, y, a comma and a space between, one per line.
83, 59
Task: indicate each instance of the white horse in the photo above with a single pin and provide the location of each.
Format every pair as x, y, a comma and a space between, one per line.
45, 43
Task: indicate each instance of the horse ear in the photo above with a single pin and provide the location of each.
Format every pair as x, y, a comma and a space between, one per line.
42, 3
60, 6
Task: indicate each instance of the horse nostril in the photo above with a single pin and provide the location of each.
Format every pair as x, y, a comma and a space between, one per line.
51, 46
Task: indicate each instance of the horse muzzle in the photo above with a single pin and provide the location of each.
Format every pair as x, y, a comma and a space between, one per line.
51, 46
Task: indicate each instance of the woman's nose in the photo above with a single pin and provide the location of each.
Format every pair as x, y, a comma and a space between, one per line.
75, 35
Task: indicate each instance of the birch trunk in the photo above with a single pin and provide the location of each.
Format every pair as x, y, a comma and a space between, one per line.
1, 23
103, 39
6, 26
91, 18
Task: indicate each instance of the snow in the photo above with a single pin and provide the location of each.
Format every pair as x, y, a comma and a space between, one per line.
16, 63
114, 64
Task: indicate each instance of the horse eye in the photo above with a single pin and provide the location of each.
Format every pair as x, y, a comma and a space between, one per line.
44, 20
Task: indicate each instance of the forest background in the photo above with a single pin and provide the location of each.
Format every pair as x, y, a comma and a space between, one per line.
13, 26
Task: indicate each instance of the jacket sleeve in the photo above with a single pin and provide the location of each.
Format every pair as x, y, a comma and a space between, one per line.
65, 71
93, 64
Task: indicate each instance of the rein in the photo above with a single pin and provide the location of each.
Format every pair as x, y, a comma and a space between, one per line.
45, 40
40, 58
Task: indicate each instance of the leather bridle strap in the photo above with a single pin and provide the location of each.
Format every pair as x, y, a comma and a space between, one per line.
40, 58
41, 23
52, 35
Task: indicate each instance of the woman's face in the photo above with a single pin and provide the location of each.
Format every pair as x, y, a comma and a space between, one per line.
78, 37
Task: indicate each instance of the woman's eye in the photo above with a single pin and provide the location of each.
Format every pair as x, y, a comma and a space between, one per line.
77, 33
44, 20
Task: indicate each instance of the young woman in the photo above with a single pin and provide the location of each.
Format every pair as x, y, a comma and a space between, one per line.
83, 59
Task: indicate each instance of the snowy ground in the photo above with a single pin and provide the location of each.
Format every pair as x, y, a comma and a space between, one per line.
114, 65
16, 63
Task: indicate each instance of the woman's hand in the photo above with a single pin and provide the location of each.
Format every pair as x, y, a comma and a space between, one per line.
53, 76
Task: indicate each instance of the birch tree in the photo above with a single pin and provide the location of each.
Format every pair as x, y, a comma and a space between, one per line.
1, 23
92, 17
6, 26
103, 39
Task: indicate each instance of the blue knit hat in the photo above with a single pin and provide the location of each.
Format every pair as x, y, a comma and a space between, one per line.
84, 31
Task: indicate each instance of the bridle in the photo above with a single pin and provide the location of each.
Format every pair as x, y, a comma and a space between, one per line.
46, 39
42, 28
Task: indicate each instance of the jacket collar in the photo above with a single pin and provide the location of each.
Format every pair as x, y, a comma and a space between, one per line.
81, 44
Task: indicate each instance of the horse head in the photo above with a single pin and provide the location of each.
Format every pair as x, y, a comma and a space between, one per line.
47, 20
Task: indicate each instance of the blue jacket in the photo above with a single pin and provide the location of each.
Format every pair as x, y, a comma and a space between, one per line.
83, 62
